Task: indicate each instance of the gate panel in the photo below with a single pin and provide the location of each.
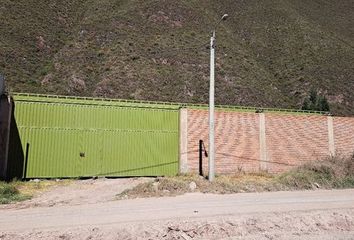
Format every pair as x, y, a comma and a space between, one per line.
134, 153
82, 137
51, 153
90, 153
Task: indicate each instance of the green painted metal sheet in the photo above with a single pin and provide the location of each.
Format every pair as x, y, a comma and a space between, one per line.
74, 139
118, 147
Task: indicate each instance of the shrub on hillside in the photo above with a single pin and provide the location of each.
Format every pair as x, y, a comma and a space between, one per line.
315, 102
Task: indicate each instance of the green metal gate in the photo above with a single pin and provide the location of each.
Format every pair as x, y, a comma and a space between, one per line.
75, 137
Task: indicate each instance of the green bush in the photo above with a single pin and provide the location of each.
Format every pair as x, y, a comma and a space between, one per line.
315, 102
9, 193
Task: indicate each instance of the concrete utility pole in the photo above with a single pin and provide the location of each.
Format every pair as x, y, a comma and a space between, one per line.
211, 174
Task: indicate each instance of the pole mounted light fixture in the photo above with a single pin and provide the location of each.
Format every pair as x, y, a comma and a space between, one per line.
211, 174
224, 17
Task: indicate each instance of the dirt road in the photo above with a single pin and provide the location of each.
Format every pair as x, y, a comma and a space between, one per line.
313, 213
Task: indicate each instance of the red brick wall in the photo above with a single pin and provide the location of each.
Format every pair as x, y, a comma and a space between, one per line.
291, 140
343, 129
236, 140
295, 139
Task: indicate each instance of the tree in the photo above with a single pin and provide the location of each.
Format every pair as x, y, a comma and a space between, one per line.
306, 104
2, 84
323, 104
315, 102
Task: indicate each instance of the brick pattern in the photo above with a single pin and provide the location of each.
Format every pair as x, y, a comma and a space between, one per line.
295, 139
236, 141
343, 129
291, 140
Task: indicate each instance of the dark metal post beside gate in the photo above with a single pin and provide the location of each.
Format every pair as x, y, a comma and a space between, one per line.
201, 157
201, 149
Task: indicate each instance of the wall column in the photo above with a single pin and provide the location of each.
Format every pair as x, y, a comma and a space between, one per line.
183, 140
262, 143
5, 121
331, 146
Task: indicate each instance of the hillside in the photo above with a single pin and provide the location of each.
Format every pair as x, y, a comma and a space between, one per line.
269, 53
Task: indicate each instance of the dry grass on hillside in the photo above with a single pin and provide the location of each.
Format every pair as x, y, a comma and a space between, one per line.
158, 50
